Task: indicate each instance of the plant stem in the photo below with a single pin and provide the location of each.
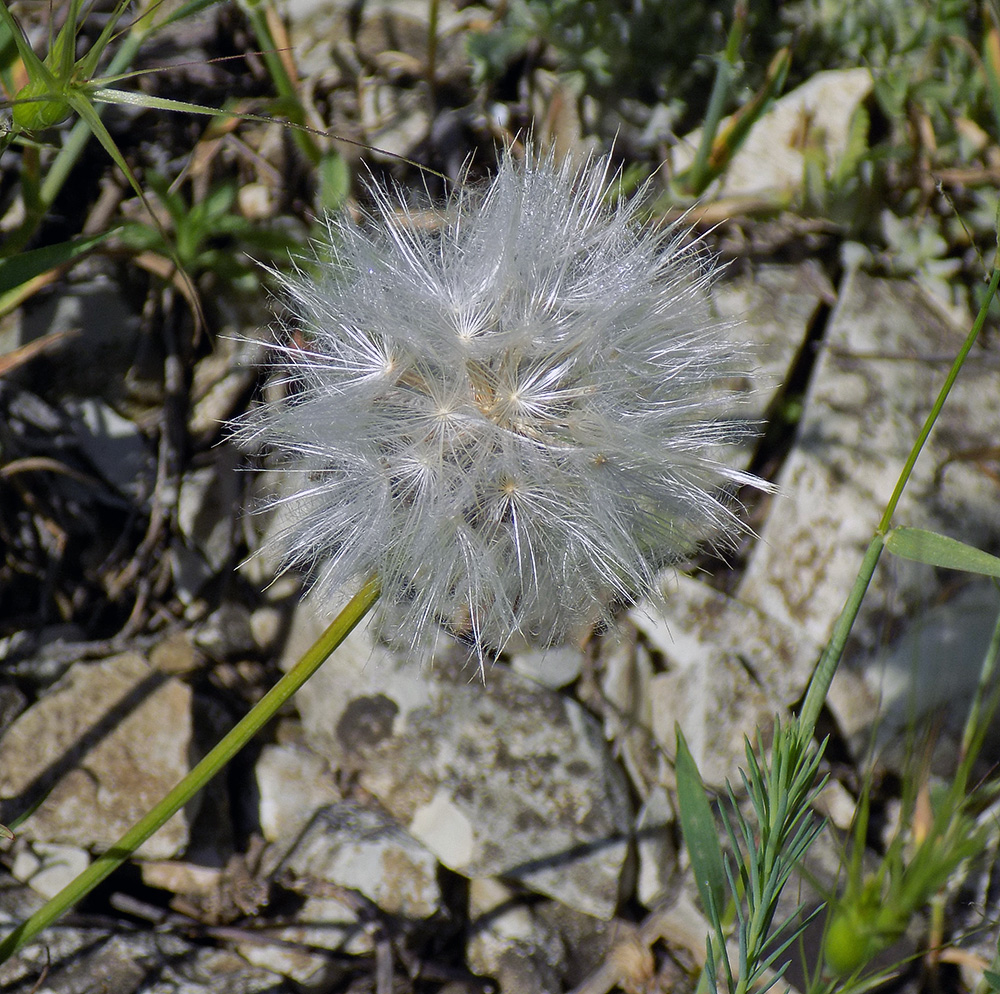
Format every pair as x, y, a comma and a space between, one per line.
286, 86
259, 715
81, 133
819, 684
724, 72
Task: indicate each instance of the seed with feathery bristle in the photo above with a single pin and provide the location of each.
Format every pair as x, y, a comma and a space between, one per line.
514, 419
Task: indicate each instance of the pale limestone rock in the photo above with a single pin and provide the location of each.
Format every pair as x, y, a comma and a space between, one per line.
48, 867
509, 942
730, 668
556, 667
363, 849
885, 356
813, 119
772, 308
294, 783
107, 741
509, 779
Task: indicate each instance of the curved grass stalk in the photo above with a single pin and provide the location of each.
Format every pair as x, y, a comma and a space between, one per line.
819, 684
783, 787
203, 772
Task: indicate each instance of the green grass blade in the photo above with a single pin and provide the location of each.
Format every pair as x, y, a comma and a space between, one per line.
700, 834
85, 109
949, 382
109, 95
699, 176
88, 64
731, 138
62, 54
17, 270
924, 546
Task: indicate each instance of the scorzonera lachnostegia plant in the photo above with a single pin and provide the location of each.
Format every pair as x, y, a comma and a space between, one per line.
505, 423
509, 421
512, 418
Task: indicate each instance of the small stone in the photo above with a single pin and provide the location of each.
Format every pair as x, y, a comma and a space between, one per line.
299, 965
226, 632
178, 877
220, 381
104, 745
294, 783
114, 445
175, 655
362, 849
510, 944
656, 848
206, 505
835, 804
266, 625
48, 867
553, 668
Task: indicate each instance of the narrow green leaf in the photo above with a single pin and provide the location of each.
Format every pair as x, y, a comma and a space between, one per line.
729, 139
17, 270
86, 110
87, 65
700, 834
993, 979
940, 550
131, 98
61, 56
334, 181
32, 63
186, 10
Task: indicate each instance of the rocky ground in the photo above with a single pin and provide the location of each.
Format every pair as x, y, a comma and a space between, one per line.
406, 827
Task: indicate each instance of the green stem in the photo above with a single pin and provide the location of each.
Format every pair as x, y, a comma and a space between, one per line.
725, 67
432, 48
949, 382
260, 714
284, 84
80, 134
825, 669
822, 676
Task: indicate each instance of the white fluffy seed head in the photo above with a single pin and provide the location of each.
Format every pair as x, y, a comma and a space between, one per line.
512, 419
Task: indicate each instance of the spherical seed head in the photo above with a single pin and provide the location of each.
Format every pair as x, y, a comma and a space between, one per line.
511, 418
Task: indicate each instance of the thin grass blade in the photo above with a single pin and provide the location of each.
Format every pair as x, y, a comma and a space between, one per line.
25, 266
700, 833
935, 549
